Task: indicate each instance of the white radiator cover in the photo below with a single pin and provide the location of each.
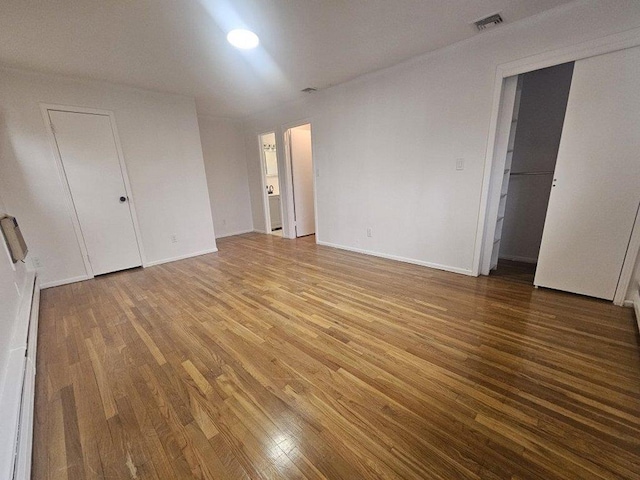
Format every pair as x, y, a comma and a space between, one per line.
635, 298
18, 391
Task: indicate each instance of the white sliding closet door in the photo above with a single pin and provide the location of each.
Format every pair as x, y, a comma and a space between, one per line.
92, 167
596, 190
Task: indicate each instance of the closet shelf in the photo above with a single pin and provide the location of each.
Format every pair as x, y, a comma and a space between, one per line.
518, 174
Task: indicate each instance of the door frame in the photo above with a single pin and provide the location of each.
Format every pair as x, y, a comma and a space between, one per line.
263, 181
600, 46
633, 251
289, 176
44, 109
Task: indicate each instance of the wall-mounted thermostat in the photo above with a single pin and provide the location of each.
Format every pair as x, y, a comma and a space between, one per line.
12, 235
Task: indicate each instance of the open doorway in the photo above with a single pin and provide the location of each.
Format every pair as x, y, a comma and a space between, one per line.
302, 197
532, 149
271, 184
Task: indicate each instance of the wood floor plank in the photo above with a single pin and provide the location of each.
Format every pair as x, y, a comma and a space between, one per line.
278, 358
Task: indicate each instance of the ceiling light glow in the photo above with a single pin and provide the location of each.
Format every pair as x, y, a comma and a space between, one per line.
244, 39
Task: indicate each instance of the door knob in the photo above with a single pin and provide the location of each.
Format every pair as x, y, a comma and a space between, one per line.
123, 199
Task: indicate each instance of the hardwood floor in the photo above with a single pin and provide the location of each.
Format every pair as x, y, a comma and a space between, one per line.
515, 271
282, 359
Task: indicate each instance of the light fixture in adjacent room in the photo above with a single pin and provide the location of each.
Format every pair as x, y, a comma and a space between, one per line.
244, 39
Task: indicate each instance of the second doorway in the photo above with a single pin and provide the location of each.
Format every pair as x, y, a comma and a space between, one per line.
289, 184
300, 160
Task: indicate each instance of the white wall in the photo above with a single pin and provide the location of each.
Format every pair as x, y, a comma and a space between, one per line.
386, 144
12, 287
274, 181
542, 107
224, 159
163, 154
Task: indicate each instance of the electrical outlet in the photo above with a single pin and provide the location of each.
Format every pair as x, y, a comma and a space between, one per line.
174, 238
369, 232
459, 163
36, 262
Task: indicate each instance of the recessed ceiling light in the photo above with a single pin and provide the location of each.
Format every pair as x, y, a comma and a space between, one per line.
244, 39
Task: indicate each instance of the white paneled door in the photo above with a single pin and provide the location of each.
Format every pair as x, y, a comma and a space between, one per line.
302, 172
596, 189
92, 168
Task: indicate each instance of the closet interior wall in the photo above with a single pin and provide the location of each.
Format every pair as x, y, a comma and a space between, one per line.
543, 103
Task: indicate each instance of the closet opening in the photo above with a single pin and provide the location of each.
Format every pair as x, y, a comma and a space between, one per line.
591, 233
532, 149
271, 184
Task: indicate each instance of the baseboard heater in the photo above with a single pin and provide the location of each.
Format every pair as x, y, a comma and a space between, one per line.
18, 392
635, 298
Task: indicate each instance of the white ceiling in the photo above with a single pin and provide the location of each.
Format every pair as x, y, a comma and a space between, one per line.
179, 45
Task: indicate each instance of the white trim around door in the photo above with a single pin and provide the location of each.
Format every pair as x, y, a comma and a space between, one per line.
45, 108
289, 176
263, 180
608, 44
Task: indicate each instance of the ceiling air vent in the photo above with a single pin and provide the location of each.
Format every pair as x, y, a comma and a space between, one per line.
309, 90
488, 22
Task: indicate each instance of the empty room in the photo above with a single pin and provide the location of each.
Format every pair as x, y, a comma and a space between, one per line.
319, 239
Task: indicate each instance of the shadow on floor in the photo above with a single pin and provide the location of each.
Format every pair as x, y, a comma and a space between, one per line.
511, 271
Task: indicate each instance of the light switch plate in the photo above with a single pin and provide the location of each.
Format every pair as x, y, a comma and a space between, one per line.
459, 163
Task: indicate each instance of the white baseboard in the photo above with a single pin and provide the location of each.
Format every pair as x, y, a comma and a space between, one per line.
257, 230
635, 302
18, 392
517, 258
437, 266
57, 283
232, 234
181, 257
